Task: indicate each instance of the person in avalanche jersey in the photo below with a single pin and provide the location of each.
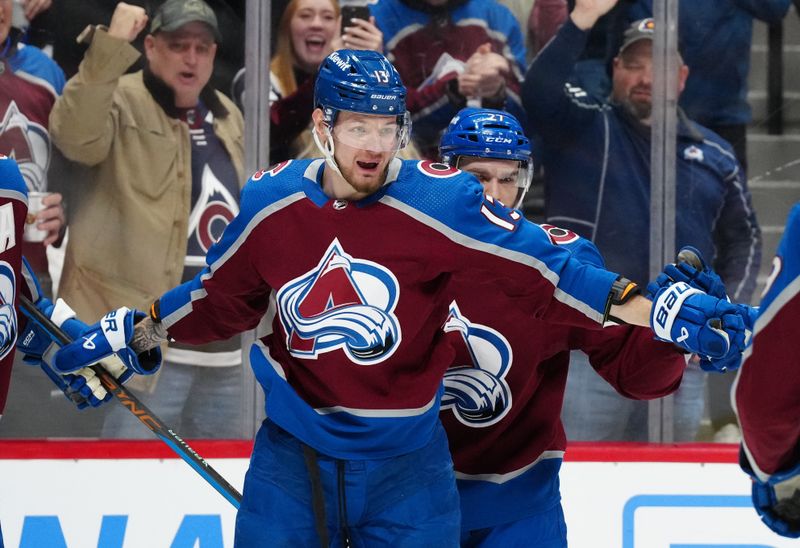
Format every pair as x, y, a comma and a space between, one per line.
17, 277
13, 209
765, 392
350, 262
503, 394
449, 53
30, 83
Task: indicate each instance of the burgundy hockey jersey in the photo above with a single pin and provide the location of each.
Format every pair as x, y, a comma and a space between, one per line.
503, 396
355, 295
13, 208
766, 389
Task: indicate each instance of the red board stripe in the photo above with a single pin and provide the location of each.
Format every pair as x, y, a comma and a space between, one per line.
652, 452
226, 449
117, 449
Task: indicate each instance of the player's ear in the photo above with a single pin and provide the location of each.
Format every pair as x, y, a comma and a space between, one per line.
319, 122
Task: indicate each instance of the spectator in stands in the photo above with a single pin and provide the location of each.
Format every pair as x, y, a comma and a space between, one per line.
36, 21
715, 40
592, 71
451, 53
308, 32
596, 158
522, 9
166, 158
72, 17
545, 19
30, 82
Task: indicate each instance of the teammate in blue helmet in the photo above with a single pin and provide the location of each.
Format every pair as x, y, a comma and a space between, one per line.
360, 119
491, 145
351, 260
509, 492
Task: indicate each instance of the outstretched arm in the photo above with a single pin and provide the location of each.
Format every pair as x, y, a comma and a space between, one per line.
148, 334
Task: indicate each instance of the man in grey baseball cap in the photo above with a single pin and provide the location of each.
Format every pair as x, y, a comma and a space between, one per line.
642, 29
166, 155
173, 14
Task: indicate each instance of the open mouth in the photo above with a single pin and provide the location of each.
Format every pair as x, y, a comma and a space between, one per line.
315, 43
186, 76
367, 166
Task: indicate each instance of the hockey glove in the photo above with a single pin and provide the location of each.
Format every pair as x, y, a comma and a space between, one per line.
692, 269
733, 359
697, 322
82, 387
108, 337
777, 500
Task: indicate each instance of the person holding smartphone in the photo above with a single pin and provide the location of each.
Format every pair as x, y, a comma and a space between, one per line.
308, 31
452, 54
358, 28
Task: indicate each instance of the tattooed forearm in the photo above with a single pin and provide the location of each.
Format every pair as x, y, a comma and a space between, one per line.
148, 334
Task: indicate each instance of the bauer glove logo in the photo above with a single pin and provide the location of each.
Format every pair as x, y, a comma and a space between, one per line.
88, 343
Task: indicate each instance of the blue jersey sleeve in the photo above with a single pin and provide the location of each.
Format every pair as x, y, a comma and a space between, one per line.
521, 257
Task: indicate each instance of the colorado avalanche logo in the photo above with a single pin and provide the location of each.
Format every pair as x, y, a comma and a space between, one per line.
478, 393
28, 143
8, 316
343, 303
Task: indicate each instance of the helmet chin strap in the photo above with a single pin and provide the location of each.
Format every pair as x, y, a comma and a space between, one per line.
327, 149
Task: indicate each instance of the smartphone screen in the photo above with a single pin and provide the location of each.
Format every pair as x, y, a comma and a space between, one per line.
353, 12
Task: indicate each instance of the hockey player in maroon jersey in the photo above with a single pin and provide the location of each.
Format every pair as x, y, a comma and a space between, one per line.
502, 400
350, 261
13, 209
766, 393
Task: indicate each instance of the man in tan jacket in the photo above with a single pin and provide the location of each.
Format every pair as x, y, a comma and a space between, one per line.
165, 158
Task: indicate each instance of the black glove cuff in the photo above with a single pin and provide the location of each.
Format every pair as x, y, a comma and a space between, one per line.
155, 311
622, 291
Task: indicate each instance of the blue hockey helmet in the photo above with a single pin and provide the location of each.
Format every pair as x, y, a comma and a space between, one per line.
365, 82
488, 133
360, 81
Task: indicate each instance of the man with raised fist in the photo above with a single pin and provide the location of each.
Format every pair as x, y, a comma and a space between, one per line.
165, 154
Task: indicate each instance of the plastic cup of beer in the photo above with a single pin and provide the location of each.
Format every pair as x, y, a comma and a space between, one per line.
32, 233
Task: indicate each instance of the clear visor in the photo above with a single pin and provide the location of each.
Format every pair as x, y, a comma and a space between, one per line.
381, 134
516, 176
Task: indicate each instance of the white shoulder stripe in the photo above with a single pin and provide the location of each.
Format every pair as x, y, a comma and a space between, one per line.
378, 413
502, 478
402, 33
509, 254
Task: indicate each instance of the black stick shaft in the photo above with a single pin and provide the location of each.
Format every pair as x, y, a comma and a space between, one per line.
140, 410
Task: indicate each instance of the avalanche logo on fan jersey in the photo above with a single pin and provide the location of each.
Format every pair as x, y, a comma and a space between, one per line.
478, 393
28, 143
215, 208
8, 316
343, 303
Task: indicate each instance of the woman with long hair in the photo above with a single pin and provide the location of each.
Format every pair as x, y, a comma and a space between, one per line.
309, 30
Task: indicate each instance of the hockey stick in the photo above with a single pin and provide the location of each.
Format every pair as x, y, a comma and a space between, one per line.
145, 416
